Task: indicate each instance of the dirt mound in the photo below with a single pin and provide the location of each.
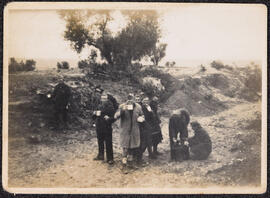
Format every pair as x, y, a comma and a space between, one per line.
206, 93
196, 96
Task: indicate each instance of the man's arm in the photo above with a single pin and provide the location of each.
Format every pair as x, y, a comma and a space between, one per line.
109, 114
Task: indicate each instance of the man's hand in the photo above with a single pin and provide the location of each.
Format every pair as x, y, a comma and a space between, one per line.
174, 140
117, 115
140, 119
106, 117
186, 143
149, 108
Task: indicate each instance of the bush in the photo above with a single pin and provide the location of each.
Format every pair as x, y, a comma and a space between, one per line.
203, 69
168, 81
15, 66
219, 65
29, 65
170, 64
63, 65
82, 64
150, 90
254, 79
134, 73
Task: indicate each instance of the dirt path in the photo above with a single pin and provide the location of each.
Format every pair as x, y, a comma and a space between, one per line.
65, 159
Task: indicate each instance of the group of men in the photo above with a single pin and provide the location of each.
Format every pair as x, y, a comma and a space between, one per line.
139, 127
140, 130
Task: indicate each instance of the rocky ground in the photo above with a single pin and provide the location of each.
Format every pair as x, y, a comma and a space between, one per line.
64, 158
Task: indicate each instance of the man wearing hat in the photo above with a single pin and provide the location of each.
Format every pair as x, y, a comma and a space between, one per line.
200, 144
99, 91
130, 114
104, 119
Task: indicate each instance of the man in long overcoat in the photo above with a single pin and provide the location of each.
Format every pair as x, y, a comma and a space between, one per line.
130, 114
178, 131
201, 144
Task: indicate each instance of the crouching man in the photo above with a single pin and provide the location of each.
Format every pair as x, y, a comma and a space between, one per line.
200, 144
178, 134
104, 117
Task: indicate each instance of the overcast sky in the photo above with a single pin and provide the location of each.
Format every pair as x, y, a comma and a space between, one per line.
199, 32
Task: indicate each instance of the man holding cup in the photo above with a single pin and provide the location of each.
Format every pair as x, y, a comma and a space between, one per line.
130, 114
104, 119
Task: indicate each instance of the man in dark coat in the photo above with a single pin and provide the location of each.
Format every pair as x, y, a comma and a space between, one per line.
201, 144
113, 101
178, 131
156, 132
104, 119
60, 97
146, 129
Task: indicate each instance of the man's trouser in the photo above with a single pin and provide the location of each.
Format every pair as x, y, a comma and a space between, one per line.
60, 116
105, 137
145, 142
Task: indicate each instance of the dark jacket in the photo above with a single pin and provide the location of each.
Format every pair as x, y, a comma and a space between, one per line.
178, 124
114, 102
102, 125
146, 127
149, 119
156, 119
61, 96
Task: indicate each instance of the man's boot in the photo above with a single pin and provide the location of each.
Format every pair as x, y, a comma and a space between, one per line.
99, 157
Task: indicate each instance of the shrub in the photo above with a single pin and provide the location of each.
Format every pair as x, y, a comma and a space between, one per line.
63, 65
134, 73
29, 65
15, 66
219, 65
170, 64
149, 90
203, 69
254, 79
82, 64
168, 81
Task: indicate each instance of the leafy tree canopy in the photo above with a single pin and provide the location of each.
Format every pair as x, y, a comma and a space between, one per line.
132, 42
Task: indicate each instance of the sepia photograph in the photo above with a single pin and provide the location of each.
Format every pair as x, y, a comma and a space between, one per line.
134, 98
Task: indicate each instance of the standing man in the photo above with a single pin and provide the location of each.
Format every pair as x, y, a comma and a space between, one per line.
130, 114
60, 97
178, 131
156, 133
147, 129
104, 119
